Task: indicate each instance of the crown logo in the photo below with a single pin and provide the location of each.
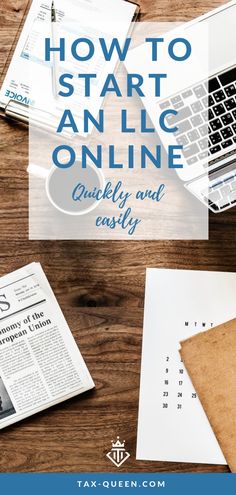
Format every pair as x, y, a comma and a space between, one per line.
118, 443
118, 455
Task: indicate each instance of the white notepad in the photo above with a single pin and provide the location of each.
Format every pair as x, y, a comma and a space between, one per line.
172, 423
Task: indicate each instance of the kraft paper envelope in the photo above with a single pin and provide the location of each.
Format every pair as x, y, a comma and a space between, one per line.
210, 359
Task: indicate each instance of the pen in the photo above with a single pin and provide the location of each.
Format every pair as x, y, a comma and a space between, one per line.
55, 67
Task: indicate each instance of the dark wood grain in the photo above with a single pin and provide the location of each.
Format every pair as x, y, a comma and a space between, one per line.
100, 286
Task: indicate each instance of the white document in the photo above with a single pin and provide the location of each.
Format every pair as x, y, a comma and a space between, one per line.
40, 363
172, 424
29, 77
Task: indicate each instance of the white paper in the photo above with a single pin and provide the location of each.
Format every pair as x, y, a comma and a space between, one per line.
178, 304
29, 77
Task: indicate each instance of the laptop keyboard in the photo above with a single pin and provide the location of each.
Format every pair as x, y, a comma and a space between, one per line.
206, 118
206, 123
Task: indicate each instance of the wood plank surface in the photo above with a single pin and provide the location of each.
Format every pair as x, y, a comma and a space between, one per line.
100, 286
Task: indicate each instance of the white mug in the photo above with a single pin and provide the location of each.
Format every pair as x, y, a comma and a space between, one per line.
60, 184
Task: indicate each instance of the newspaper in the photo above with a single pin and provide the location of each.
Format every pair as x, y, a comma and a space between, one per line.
40, 363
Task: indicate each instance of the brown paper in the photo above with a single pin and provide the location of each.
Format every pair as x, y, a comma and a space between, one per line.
210, 359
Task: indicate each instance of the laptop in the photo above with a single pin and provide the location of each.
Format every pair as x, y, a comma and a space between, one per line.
206, 118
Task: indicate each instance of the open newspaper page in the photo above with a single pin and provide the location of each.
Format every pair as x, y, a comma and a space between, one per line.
40, 363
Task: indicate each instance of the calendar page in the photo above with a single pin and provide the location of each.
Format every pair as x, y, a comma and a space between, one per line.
172, 423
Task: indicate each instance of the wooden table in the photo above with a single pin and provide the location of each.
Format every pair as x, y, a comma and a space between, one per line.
100, 286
